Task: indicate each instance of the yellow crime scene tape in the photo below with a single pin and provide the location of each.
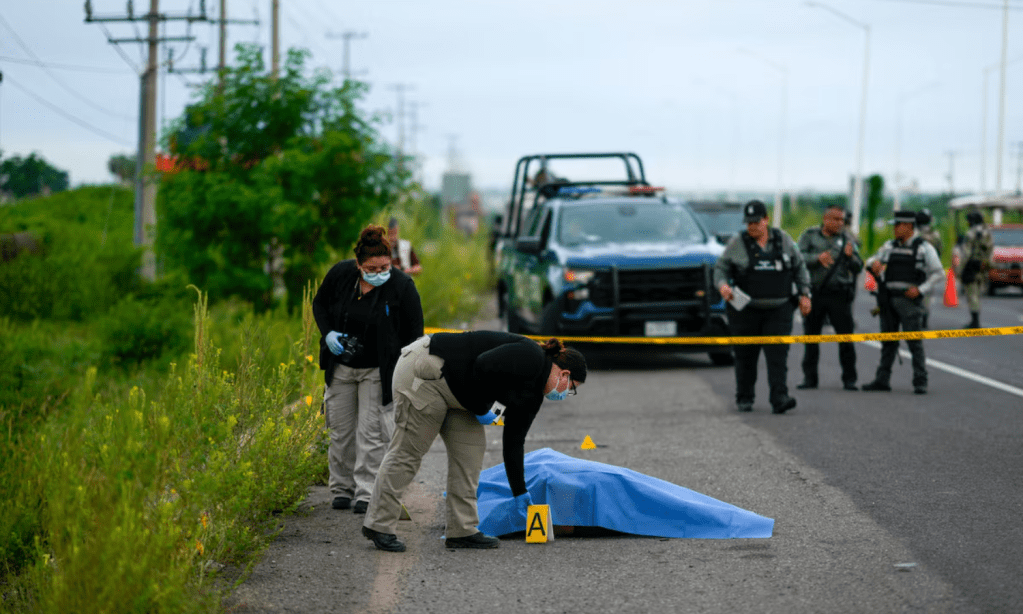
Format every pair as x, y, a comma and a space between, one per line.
897, 336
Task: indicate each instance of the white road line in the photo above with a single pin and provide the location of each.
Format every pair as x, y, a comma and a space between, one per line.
954, 370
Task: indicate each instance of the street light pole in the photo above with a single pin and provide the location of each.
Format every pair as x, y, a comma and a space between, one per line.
1001, 99
983, 130
776, 217
897, 178
857, 203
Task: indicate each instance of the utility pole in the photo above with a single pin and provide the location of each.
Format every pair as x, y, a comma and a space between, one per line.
346, 38
401, 88
145, 185
414, 129
222, 60
275, 35
222, 22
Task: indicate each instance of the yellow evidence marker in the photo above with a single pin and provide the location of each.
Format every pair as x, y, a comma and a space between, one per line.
404, 513
539, 527
588, 444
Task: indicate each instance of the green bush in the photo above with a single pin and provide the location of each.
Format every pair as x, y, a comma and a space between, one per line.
130, 503
88, 260
36, 366
135, 330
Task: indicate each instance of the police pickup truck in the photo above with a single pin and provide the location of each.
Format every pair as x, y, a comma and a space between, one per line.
610, 257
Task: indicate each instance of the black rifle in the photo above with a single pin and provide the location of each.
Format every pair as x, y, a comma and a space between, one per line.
834, 267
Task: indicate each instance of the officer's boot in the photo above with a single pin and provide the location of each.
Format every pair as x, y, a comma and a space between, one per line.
974, 320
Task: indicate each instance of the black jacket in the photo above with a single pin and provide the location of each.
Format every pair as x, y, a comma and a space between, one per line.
486, 366
399, 317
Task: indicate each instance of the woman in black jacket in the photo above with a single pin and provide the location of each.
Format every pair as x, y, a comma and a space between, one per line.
447, 384
366, 313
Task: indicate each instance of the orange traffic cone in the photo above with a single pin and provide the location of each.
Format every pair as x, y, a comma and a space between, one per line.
870, 283
951, 296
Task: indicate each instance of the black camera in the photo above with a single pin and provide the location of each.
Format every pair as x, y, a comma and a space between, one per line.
351, 347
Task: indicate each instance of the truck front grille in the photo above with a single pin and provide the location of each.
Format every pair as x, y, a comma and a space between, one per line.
638, 287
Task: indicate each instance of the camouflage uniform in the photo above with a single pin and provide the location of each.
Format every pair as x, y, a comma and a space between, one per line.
977, 247
933, 237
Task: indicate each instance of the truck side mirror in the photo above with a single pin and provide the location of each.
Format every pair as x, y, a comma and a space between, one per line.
529, 245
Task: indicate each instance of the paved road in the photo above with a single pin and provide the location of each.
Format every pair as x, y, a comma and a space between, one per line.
861, 486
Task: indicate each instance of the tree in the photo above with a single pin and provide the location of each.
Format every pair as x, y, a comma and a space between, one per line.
266, 166
23, 177
122, 166
875, 197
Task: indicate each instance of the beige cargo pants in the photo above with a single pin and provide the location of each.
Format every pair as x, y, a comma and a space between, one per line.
423, 408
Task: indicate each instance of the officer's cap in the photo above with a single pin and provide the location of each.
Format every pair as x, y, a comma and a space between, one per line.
753, 212
904, 216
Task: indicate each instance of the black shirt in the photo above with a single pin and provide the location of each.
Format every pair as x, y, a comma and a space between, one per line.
360, 322
486, 366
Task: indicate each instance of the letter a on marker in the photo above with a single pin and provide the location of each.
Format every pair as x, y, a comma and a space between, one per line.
540, 525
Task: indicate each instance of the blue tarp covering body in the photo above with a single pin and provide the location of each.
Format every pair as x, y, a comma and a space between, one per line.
588, 494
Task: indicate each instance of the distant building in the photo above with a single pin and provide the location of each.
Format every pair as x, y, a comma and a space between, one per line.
460, 201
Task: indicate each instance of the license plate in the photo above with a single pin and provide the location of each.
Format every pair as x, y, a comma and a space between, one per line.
661, 329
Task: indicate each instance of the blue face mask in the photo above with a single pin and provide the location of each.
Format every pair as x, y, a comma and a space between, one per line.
554, 395
376, 279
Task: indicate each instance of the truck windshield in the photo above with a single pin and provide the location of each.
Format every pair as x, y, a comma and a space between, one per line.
722, 221
1005, 237
627, 222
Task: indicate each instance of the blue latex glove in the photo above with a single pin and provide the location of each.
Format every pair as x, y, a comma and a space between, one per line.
522, 503
487, 418
333, 343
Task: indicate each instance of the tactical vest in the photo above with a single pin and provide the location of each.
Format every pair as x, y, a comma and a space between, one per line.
902, 264
769, 272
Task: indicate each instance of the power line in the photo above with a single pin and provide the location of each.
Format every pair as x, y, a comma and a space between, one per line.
309, 39
68, 116
31, 54
124, 56
954, 3
79, 67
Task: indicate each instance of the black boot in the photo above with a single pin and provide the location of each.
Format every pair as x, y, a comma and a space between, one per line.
974, 320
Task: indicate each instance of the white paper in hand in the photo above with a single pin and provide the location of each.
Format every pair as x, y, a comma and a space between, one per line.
739, 298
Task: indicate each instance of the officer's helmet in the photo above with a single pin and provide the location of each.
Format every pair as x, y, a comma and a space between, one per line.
974, 217
923, 217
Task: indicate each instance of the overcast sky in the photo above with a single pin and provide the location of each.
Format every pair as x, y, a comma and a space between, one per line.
695, 87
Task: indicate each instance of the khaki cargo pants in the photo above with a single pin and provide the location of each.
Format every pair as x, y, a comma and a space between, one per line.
425, 408
360, 427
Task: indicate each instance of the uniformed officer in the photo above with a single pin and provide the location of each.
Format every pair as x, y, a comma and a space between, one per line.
932, 236
906, 268
765, 264
833, 260
977, 248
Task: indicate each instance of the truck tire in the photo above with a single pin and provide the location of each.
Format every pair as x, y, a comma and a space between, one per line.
549, 319
509, 321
